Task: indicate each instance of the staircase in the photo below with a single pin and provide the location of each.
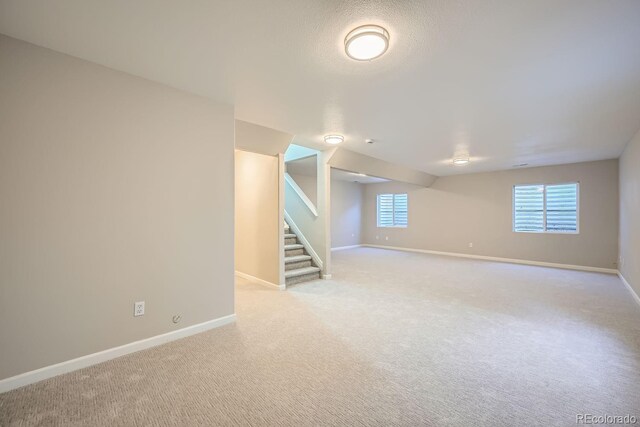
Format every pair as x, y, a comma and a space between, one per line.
298, 265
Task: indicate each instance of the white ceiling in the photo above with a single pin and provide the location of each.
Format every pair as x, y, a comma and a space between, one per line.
538, 82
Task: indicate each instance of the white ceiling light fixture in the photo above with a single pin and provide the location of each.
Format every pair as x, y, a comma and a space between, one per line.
461, 160
366, 42
333, 139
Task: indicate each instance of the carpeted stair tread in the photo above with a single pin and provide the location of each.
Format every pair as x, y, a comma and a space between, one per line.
294, 246
301, 272
289, 236
296, 258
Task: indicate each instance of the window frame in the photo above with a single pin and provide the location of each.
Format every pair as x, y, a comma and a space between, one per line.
544, 209
393, 210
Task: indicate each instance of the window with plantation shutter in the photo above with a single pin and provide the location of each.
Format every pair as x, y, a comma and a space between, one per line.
562, 208
546, 208
528, 208
392, 210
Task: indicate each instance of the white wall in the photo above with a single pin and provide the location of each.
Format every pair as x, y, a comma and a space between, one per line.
630, 213
257, 216
113, 189
477, 208
309, 185
346, 213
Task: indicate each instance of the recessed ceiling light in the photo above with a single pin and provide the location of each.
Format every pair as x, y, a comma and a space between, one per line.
366, 42
460, 160
333, 139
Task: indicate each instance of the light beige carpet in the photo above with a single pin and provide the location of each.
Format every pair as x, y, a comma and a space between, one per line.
395, 339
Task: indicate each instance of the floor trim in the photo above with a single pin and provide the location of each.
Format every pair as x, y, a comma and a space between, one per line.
259, 281
36, 375
342, 248
498, 259
633, 292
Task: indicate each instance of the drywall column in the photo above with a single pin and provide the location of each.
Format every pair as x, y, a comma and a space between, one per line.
324, 209
281, 170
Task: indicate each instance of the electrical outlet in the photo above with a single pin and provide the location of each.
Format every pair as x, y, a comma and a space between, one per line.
470, 245
386, 238
377, 237
138, 308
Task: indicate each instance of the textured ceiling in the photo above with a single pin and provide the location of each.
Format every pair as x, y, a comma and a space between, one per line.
538, 82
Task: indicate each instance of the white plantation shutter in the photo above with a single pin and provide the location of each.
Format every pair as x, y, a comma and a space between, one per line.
545, 208
528, 208
385, 210
562, 207
400, 209
392, 210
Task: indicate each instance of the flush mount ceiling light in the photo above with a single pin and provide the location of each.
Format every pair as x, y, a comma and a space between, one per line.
461, 160
333, 139
366, 42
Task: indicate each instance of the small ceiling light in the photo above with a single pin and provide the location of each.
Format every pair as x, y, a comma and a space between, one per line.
460, 160
366, 42
333, 139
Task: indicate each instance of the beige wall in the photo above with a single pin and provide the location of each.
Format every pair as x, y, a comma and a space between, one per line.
113, 189
346, 213
256, 216
477, 208
630, 213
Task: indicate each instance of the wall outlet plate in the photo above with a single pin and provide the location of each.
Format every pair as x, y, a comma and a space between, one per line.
138, 308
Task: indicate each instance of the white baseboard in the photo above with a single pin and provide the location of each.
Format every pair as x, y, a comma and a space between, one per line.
342, 248
633, 292
34, 376
497, 259
326, 277
259, 281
